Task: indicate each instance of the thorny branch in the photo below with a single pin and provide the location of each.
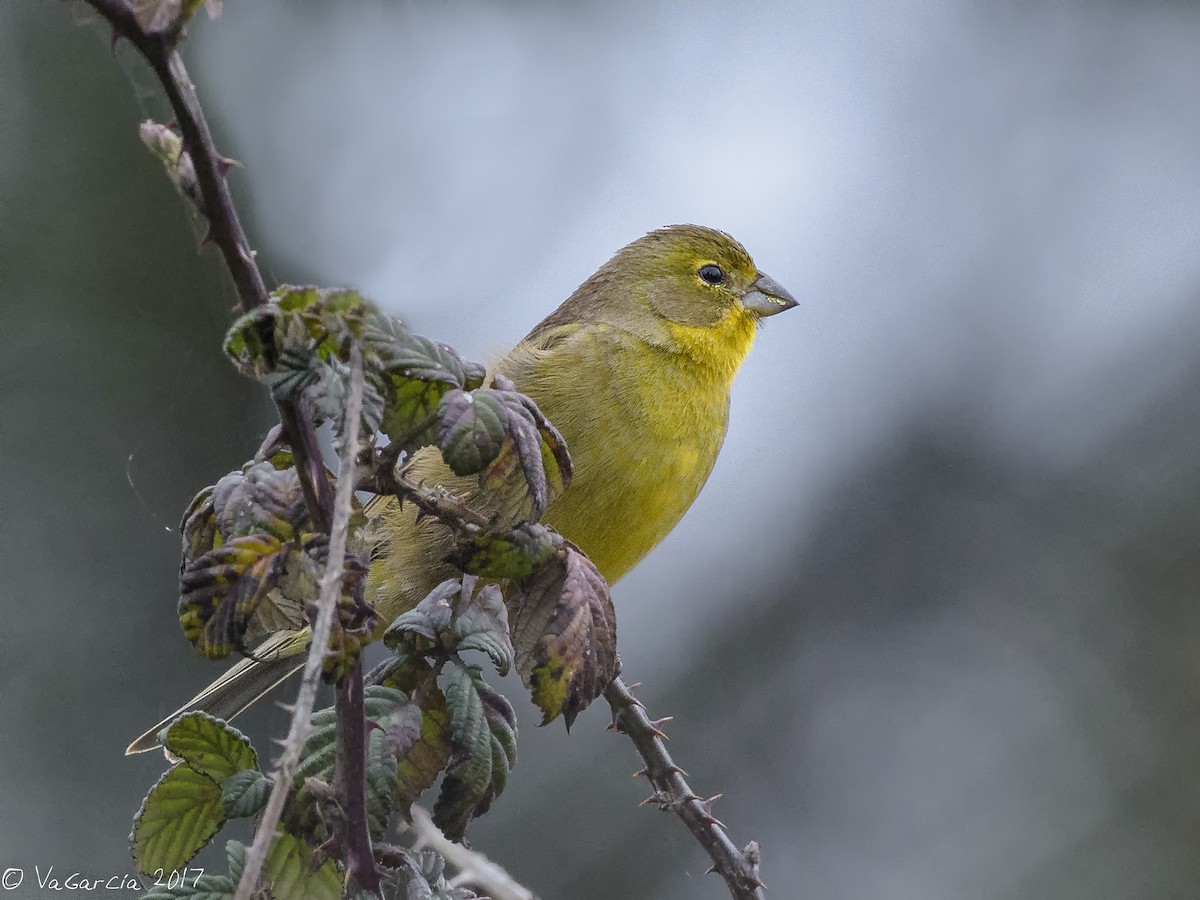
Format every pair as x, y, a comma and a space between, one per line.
362, 872
739, 868
224, 226
158, 48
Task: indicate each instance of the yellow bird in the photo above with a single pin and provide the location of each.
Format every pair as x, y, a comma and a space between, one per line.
634, 369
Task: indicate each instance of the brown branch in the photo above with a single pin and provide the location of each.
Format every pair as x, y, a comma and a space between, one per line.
289, 758
224, 226
739, 868
434, 501
225, 230
350, 780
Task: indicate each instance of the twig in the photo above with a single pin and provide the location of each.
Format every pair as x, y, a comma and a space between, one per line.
225, 230
224, 226
671, 793
474, 868
350, 780
331, 587
382, 478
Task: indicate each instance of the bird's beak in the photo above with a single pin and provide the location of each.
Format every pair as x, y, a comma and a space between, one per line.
767, 296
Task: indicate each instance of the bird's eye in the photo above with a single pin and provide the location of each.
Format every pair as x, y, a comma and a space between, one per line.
711, 274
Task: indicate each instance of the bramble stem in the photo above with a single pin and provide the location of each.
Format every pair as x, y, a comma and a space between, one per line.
351, 733
739, 868
225, 230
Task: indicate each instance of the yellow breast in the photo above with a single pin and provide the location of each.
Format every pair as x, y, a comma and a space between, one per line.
644, 426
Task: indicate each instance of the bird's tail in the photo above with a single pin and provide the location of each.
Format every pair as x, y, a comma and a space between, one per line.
241, 685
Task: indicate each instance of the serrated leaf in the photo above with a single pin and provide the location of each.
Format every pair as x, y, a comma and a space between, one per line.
235, 855
210, 746
299, 345
425, 760
430, 618
445, 622
418, 373
483, 734
289, 871
178, 817
220, 590
260, 499
394, 726
564, 635
532, 449
483, 625
199, 526
245, 793
471, 428
509, 554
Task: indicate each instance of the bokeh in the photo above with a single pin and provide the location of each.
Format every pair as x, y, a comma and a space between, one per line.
932, 627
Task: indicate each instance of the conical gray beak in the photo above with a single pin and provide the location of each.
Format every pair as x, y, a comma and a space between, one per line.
767, 296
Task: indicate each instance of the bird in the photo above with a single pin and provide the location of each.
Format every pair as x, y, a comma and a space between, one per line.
634, 369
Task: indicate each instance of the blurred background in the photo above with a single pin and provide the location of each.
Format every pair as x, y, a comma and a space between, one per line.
932, 627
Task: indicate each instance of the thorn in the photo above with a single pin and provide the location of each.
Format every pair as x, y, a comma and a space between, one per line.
711, 870
224, 164
208, 237
641, 773
708, 818
658, 797
656, 727
676, 770
633, 687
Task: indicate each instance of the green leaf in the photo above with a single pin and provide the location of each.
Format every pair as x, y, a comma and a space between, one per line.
424, 761
260, 499
417, 374
449, 622
199, 526
178, 817
220, 590
235, 854
509, 554
242, 575
483, 732
430, 618
492, 431
483, 625
299, 345
394, 726
210, 746
245, 793
565, 635
289, 870
471, 428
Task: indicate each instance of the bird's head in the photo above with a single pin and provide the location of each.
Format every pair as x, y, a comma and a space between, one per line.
685, 288
696, 276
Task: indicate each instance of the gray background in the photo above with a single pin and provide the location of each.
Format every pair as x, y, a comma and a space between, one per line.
931, 627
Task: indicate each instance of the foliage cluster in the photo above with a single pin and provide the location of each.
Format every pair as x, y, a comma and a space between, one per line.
252, 562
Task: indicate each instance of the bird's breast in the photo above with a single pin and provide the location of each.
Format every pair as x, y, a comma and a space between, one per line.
643, 436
